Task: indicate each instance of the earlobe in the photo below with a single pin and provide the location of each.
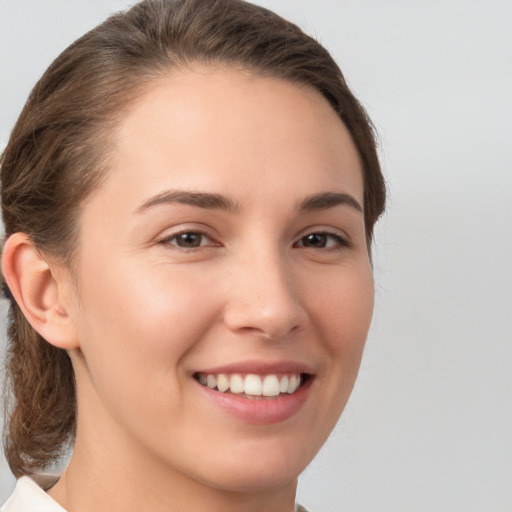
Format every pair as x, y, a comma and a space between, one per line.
37, 287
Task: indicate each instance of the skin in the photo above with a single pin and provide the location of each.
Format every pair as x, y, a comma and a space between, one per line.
143, 314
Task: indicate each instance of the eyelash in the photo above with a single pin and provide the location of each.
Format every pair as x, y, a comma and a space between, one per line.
340, 242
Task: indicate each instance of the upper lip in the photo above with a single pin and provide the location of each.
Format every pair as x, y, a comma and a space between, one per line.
259, 368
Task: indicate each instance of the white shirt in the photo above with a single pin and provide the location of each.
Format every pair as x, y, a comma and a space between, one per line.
28, 496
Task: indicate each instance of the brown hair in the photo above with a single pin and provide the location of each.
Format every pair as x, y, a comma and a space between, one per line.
58, 153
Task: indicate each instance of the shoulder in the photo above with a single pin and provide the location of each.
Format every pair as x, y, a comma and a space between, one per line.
29, 496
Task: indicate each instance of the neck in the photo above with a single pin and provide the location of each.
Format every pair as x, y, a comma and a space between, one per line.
102, 478
86, 489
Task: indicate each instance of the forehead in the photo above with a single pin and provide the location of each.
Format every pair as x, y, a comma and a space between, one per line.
213, 127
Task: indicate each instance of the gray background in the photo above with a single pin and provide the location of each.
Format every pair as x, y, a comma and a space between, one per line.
429, 425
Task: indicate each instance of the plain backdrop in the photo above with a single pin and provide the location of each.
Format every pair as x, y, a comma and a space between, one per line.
429, 425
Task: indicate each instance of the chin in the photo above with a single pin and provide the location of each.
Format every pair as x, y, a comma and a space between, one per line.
256, 479
263, 468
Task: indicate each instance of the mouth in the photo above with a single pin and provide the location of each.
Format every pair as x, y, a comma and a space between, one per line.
257, 392
254, 386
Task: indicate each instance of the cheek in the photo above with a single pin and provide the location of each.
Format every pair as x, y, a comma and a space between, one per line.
135, 330
148, 302
343, 301
135, 326
342, 313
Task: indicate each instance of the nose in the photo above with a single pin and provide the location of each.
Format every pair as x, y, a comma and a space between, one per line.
264, 297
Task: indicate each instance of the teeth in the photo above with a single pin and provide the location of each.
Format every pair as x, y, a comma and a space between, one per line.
271, 386
293, 383
222, 383
236, 384
251, 384
284, 384
211, 381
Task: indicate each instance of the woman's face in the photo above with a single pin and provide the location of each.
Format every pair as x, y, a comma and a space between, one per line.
226, 247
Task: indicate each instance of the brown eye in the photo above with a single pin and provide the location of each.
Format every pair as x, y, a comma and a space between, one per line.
315, 240
188, 240
322, 241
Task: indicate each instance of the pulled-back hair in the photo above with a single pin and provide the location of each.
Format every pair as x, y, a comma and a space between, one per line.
58, 153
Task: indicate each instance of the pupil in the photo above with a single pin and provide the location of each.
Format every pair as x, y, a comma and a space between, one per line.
316, 240
189, 240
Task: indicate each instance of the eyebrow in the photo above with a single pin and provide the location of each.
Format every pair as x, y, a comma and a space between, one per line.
206, 200
326, 200
200, 199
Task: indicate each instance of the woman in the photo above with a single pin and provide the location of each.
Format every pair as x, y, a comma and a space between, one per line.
189, 197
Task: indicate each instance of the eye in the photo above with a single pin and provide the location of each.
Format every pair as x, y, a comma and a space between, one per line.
188, 240
322, 240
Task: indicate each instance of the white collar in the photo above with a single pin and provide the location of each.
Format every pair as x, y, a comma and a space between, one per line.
29, 495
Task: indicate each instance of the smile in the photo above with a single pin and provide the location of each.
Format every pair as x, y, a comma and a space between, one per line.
252, 385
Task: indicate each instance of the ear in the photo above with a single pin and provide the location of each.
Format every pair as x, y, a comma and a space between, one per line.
41, 290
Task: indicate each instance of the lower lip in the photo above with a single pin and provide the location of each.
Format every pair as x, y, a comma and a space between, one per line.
260, 411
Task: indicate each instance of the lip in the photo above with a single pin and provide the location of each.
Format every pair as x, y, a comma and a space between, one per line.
260, 368
259, 411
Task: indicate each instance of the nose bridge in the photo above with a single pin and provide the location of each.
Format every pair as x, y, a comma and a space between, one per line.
263, 296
